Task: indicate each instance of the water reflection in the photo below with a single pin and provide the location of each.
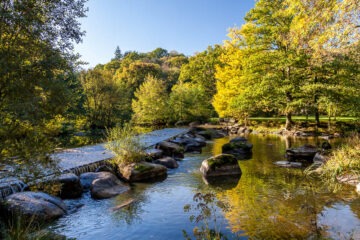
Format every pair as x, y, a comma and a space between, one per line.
271, 202
267, 202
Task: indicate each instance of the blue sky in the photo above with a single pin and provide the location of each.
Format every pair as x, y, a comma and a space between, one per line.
187, 26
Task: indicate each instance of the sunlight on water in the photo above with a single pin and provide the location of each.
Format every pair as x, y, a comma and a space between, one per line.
267, 202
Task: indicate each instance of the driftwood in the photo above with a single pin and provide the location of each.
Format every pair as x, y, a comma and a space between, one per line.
124, 204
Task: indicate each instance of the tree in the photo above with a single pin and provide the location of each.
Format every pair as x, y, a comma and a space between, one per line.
150, 105
103, 98
201, 69
37, 64
118, 54
188, 102
158, 53
326, 31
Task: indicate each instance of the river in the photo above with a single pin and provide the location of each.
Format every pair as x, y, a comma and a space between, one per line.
268, 202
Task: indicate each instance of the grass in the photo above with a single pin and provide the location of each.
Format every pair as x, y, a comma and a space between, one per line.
344, 161
125, 145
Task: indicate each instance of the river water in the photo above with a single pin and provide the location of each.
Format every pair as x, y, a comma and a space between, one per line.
268, 202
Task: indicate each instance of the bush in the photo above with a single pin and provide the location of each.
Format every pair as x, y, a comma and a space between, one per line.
125, 145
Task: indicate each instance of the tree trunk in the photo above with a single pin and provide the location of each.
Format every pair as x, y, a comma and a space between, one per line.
317, 115
289, 122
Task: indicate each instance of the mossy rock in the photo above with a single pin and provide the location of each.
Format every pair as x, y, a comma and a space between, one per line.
142, 171
240, 149
220, 165
220, 160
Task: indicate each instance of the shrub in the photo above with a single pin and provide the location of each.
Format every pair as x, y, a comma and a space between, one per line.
126, 146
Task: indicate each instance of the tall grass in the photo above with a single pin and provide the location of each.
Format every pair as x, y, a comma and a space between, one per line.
125, 144
344, 161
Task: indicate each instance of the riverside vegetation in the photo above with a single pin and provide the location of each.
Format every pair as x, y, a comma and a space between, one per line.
307, 64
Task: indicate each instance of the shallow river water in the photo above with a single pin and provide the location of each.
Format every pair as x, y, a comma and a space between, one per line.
268, 202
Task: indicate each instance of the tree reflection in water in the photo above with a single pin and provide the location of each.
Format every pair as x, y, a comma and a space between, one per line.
270, 202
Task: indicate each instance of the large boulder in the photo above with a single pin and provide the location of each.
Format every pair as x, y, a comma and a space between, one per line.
107, 185
142, 171
239, 147
33, 206
70, 186
305, 152
168, 162
171, 149
220, 165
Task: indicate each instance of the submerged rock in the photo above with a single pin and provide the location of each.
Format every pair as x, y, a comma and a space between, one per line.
220, 165
107, 185
288, 164
305, 152
33, 206
168, 162
142, 171
223, 182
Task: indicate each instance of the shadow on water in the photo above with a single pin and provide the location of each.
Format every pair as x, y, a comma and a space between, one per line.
267, 202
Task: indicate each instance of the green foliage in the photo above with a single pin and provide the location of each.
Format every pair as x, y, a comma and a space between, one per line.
189, 102
150, 105
206, 208
201, 69
103, 97
37, 80
126, 146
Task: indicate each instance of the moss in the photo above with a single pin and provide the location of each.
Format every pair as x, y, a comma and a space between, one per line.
220, 160
142, 167
234, 145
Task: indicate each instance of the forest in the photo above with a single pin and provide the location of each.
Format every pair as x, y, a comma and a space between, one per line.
291, 57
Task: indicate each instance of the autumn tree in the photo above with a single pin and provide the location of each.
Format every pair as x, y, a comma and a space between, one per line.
328, 33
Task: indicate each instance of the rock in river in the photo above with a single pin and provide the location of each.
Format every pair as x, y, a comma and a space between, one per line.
36, 206
168, 162
238, 147
220, 165
142, 171
171, 149
305, 152
107, 185
70, 186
